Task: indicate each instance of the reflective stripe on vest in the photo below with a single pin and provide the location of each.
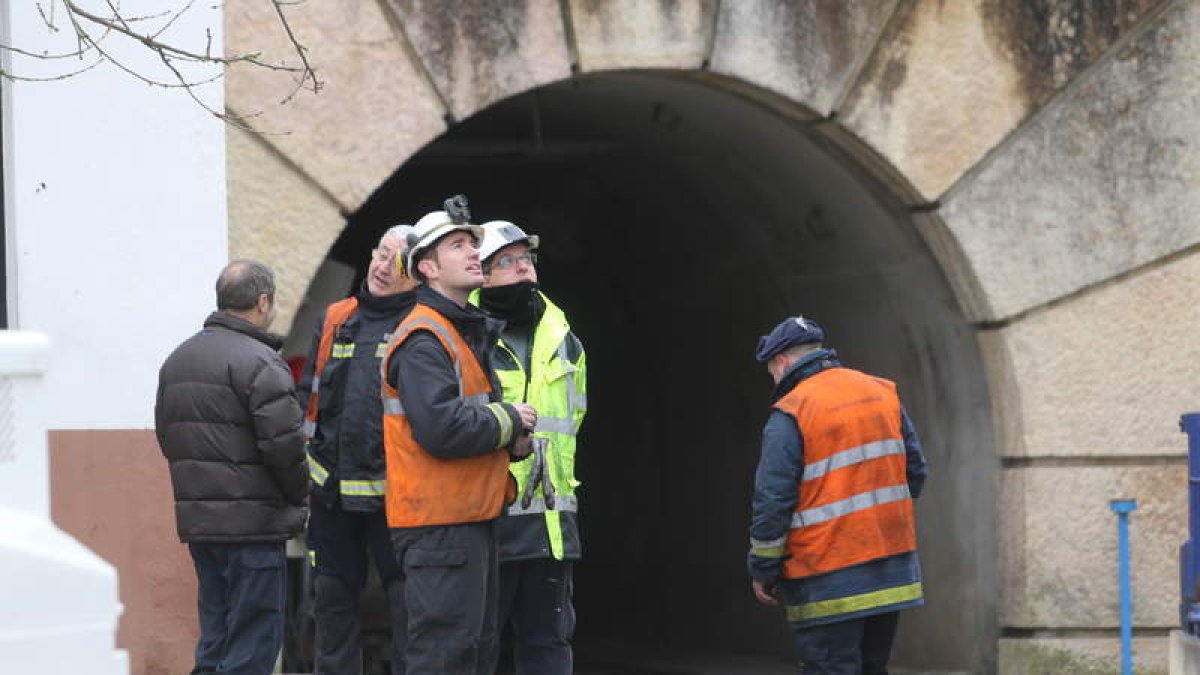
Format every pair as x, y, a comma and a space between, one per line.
557, 425
863, 500
854, 603
393, 406
411, 326
845, 458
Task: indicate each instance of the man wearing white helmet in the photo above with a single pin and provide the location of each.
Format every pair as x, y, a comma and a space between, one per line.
448, 439
344, 427
541, 362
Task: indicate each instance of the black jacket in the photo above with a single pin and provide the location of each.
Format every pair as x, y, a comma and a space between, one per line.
228, 423
423, 375
348, 441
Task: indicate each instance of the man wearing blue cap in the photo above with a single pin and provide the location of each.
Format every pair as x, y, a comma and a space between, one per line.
832, 535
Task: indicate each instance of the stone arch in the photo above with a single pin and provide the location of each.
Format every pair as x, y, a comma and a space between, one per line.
992, 127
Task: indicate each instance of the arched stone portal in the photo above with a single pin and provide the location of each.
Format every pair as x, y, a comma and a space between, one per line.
930, 173
679, 222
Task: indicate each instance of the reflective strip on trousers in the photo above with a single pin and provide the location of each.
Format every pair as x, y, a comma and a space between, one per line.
393, 406
556, 425
852, 456
854, 603
363, 488
316, 472
859, 502
538, 505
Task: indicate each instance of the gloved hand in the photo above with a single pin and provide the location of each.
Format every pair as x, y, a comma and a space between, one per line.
522, 446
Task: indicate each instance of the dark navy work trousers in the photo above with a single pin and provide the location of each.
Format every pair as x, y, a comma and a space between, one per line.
535, 598
451, 591
340, 542
855, 647
241, 595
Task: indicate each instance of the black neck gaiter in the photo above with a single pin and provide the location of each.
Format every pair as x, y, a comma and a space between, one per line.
518, 304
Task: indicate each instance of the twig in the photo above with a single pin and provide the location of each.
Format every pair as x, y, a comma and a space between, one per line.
170, 55
308, 71
64, 76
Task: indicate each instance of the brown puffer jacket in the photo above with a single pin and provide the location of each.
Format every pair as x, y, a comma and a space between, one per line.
229, 424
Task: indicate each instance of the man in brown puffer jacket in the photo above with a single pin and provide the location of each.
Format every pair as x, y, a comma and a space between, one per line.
229, 424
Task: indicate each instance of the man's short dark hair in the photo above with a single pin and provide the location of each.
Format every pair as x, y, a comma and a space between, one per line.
240, 284
431, 254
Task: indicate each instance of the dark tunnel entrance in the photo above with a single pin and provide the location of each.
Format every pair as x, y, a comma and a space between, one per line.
679, 221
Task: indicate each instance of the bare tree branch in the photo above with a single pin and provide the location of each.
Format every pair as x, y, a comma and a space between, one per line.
53, 78
171, 55
308, 71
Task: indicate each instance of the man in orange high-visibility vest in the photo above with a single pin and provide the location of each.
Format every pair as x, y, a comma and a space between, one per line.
832, 535
448, 439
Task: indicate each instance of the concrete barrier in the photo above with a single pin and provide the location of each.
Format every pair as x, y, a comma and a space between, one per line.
61, 605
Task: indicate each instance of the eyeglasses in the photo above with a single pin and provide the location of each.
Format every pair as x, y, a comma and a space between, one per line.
512, 259
382, 254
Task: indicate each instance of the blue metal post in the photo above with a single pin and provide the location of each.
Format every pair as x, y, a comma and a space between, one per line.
1123, 507
1189, 559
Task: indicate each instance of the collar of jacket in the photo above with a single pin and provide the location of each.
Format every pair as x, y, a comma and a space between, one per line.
384, 305
806, 367
470, 320
233, 323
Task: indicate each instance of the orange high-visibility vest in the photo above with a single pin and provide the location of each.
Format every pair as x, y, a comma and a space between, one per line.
423, 489
336, 315
854, 505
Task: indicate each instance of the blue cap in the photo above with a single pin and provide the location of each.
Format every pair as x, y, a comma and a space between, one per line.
791, 332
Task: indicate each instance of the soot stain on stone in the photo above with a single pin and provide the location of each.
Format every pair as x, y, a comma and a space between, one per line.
1049, 42
488, 30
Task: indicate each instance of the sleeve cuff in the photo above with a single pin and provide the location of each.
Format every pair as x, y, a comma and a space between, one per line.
508, 420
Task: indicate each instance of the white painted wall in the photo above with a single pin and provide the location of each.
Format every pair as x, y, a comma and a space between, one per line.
115, 212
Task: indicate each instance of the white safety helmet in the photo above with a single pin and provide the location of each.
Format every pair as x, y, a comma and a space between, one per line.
500, 233
432, 227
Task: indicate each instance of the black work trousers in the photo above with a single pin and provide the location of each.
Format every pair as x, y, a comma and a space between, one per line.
339, 543
451, 589
535, 598
855, 647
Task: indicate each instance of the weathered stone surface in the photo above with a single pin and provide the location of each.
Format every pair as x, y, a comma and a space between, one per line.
1080, 656
1103, 181
806, 51
278, 217
613, 34
478, 52
1059, 544
951, 79
1107, 373
373, 111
